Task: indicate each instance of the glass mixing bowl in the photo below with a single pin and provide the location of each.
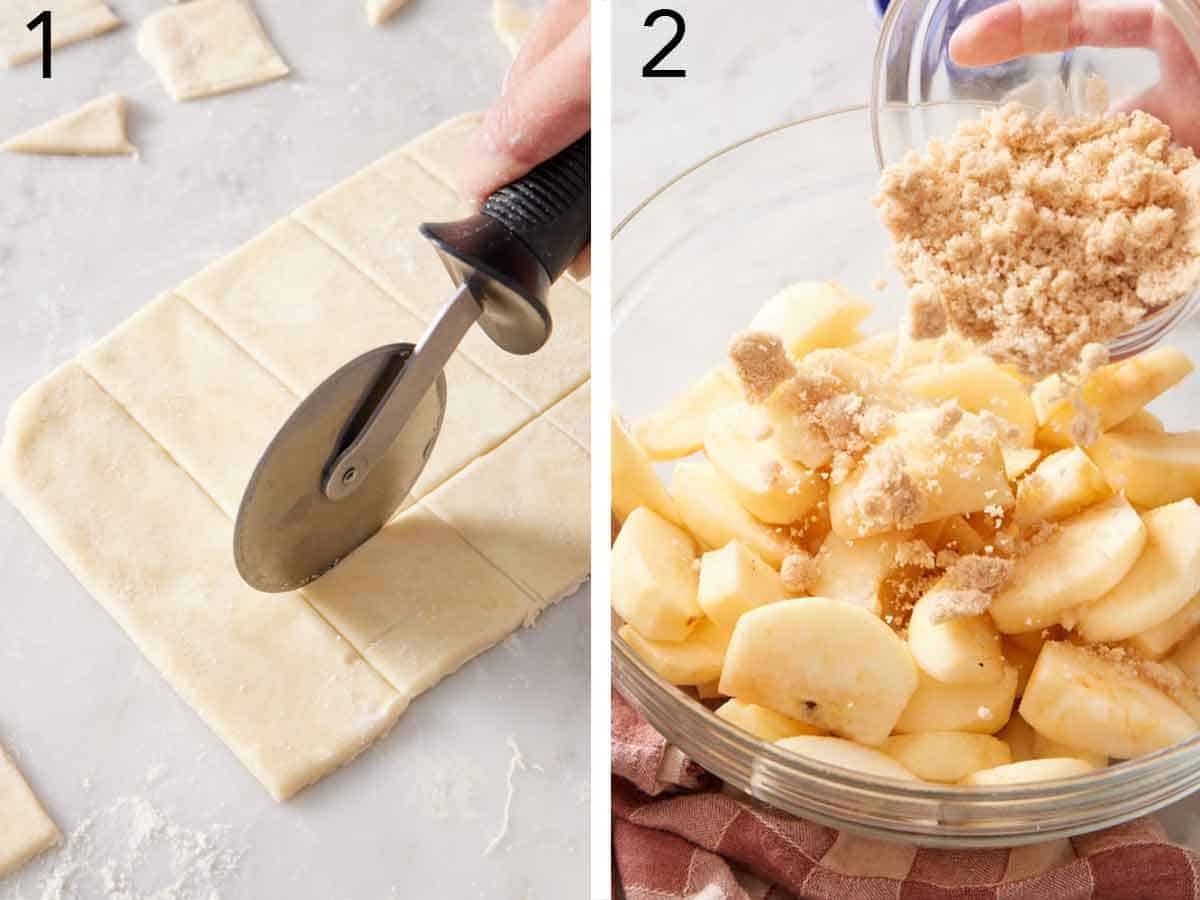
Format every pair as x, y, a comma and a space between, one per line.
691, 266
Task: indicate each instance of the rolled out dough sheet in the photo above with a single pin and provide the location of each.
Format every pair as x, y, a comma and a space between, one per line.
130, 463
573, 415
95, 129
71, 21
25, 829
207, 47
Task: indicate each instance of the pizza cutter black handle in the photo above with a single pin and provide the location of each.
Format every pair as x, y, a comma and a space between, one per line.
519, 243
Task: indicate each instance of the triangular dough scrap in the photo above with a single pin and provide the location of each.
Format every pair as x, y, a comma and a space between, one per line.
512, 22
379, 11
209, 47
95, 129
72, 21
25, 829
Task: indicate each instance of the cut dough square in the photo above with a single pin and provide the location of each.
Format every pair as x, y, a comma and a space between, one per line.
372, 218
526, 507
25, 829
288, 695
72, 21
95, 129
208, 47
573, 414
419, 600
443, 149
210, 405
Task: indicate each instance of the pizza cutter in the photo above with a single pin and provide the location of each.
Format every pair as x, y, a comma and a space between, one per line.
346, 459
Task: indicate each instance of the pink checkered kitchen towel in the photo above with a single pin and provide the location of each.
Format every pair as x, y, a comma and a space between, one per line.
678, 835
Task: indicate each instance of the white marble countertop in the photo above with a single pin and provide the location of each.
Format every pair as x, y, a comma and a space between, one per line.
83, 244
748, 71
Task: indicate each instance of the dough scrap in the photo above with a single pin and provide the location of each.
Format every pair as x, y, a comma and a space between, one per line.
288, 695
512, 22
130, 463
95, 129
25, 828
72, 21
379, 11
207, 47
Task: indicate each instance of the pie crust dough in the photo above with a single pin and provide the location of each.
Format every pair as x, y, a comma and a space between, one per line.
73, 21
207, 47
25, 829
130, 462
95, 129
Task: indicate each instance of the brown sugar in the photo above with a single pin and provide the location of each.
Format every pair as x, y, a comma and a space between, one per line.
800, 572
761, 363
1034, 236
968, 587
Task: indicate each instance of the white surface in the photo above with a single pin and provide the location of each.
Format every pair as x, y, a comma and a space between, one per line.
83, 244
746, 73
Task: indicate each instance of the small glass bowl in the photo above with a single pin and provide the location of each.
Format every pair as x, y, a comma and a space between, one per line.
691, 266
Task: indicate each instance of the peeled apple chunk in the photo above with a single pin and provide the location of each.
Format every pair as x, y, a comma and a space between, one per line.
1140, 422
854, 571
735, 580
946, 756
977, 708
963, 650
1152, 469
1019, 460
1019, 737
711, 512
978, 384
654, 577
769, 486
825, 662
765, 724
677, 430
694, 661
1157, 642
1078, 698
1162, 581
1029, 770
848, 755
935, 477
1044, 748
1113, 393
812, 314
1064, 483
1082, 561
634, 483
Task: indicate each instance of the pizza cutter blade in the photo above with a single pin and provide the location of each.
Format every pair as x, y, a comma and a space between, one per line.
348, 457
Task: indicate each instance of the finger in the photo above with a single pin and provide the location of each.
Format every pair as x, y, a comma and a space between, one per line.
551, 28
582, 267
1023, 27
543, 113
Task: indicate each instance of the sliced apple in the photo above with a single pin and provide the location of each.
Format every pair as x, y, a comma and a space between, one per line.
1078, 698
1113, 392
1019, 736
946, 756
1045, 748
765, 724
1162, 581
654, 577
634, 483
1158, 641
977, 708
1019, 460
847, 755
1140, 422
963, 650
1021, 658
769, 486
693, 661
825, 662
677, 430
1081, 562
1028, 771
812, 314
1064, 483
711, 512
1152, 469
977, 384
735, 580
854, 571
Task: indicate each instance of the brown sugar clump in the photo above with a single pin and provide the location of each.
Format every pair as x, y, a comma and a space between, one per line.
800, 572
968, 587
946, 605
916, 553
761, 363
887, 494
1034, 236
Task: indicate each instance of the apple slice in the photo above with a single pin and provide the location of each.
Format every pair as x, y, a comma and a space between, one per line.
765, 724
1028, 771
735, 580
977, 384
854, 571
634, 483
654, 577
946, 756
1157, 642
694, 661
1076, 697
1162, 581
1084, 560
825, 662
1152, 469
1019, 736
812, 314
1140, 422
847, 755
1019, 460
677, 430
963, 650
977, 708
1064, 483
1045, 748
